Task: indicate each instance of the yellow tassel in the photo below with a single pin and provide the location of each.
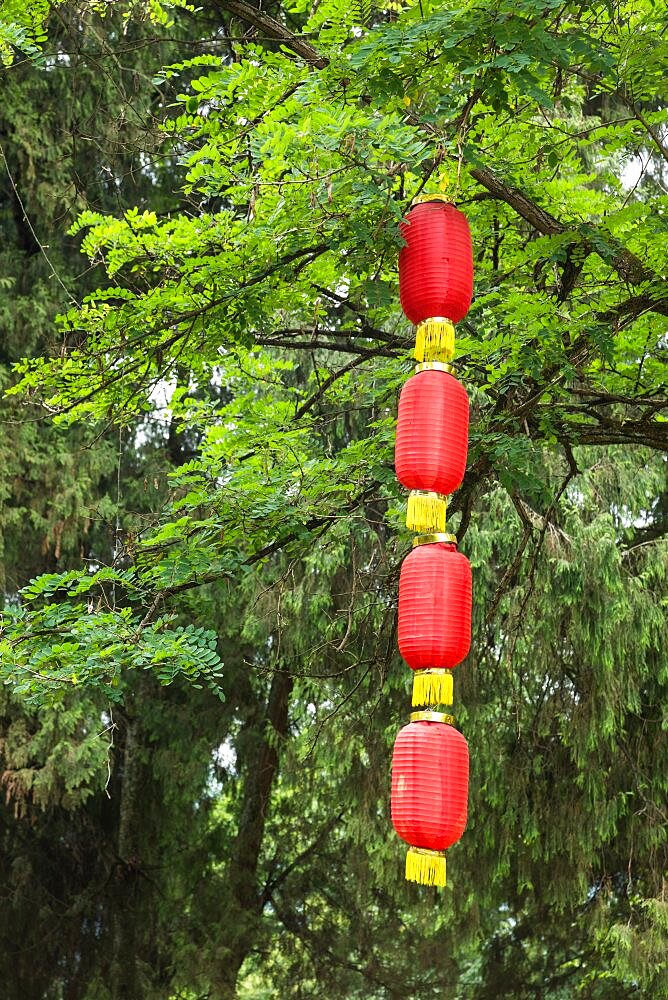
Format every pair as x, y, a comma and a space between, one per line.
435, 340
432, 687
426, 511
425, 867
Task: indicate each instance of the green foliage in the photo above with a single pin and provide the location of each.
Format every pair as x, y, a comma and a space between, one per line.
241, 364
22, 27
56, 763
23, 23
95, 647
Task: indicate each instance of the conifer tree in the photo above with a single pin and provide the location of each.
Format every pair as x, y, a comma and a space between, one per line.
225, 591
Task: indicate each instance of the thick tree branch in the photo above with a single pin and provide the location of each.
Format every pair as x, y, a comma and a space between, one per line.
272, 28
653, 132
315, 344
322, 389
510, 576
276, 880
635, 306
629, 267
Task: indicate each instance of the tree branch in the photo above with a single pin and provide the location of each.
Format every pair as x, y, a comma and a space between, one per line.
272, 28
274, 881
312, 400
629, 267
635, 306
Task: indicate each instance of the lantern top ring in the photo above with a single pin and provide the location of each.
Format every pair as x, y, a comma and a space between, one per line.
427, 493
435, 366
435, 319
437, 536
422, 199
449, 720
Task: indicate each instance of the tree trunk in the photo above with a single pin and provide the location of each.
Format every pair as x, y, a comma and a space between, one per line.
245, 894
127, 886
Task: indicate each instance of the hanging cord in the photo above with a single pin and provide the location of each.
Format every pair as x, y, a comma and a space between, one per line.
117, 526
111, 728
460, 160
110, 748
54, 273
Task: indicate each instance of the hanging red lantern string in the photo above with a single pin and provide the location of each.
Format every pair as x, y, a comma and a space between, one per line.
430, 762
431, 443
434, 615
435, 274
430, 772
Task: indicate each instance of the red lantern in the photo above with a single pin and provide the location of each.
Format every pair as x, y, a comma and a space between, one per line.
430, 774
431, 443
435, 591
436, 265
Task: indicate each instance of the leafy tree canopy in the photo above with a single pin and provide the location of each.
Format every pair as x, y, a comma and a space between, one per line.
260, 319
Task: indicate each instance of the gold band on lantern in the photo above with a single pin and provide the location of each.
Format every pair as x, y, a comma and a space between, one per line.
435, 366
422, 199
436, 536
449, 720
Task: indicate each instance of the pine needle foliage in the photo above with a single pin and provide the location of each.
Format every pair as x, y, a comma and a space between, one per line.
252, 329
